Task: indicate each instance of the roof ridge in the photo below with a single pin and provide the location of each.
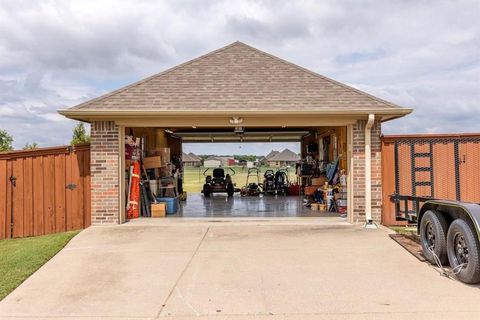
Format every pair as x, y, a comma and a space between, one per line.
284, 152
393, 105
178, 66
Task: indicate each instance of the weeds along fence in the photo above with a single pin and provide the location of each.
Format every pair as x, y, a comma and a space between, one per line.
430, 167
44, 191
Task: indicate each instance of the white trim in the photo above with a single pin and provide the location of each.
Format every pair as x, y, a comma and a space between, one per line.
121, 173
138, 113
368, 168
350, 174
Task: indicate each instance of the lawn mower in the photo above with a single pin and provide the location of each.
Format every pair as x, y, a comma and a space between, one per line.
281, 182
269, 182
218, 182
252, 188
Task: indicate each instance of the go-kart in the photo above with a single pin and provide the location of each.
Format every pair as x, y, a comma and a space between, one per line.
218, 182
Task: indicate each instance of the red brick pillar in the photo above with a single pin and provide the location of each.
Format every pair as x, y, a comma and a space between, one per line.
359, 172
104, 172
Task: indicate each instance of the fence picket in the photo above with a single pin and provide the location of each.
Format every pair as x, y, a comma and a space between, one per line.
41, 201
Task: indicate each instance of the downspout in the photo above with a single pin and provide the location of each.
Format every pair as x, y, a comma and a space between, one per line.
368, 172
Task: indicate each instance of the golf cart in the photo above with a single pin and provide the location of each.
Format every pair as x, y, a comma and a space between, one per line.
218, 182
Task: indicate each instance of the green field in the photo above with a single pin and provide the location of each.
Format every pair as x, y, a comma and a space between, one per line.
19, 258
193, 178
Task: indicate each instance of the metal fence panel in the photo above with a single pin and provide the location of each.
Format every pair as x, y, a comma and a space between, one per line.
428, 167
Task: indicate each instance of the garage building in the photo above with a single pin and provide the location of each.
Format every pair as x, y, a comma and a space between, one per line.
210, 98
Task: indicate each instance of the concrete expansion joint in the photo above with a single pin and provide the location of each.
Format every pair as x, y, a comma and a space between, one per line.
175, 286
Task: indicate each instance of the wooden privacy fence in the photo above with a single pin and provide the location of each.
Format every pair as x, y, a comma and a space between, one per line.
433, 166
44, 191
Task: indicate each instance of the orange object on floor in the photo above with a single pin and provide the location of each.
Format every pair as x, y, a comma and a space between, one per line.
134, 198
310, 190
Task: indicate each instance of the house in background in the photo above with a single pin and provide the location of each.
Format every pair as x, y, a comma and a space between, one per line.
191, 160
283, 159
264, 160
214, 161
228, 161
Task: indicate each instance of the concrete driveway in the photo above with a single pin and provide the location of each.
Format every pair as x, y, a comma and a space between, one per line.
283, 269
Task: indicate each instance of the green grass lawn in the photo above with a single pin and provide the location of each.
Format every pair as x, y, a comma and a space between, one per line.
19, 258
193, 178
404, 230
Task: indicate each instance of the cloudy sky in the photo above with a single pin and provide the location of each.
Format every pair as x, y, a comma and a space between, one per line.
420, 54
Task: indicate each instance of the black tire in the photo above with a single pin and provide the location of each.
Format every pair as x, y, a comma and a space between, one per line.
463, 247
206, 190
433, 233
230, 190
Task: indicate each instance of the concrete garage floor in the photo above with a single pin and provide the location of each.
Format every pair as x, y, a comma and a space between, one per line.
238, 270
219, 205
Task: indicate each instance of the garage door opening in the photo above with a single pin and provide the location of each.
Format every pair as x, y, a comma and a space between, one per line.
220, 172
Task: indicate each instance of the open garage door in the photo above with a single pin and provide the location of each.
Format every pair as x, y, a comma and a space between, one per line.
299, 172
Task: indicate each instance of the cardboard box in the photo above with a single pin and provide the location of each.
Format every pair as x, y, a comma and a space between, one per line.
164, 153
158, 210
152, 162
320, 181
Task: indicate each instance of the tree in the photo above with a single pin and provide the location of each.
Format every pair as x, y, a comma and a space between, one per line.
6, 141
29, 146
243, 157
79, 135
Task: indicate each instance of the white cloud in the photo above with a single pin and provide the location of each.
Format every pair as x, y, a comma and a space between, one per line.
420, 54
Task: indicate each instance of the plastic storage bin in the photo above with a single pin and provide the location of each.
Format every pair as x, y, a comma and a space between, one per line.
172, 204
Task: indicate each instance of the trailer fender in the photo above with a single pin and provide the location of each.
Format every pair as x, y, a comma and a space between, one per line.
453, 210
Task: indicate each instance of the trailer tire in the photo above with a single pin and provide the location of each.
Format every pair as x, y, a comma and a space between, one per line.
463, 247
433, 232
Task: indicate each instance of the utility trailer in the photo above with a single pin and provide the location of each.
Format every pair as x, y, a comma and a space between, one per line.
437, 187
449, 232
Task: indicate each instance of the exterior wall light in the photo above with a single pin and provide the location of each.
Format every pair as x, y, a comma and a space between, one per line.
236, 120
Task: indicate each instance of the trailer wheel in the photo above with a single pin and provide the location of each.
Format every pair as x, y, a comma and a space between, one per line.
433, 236
463, 248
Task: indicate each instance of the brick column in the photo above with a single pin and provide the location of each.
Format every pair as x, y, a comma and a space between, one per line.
359, 171
104, 172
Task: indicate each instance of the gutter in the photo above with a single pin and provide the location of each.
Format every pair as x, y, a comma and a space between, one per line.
228, 112
368, 172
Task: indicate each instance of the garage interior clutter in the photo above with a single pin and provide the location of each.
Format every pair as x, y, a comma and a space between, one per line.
313, 184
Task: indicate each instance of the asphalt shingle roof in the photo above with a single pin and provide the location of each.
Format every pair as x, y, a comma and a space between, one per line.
271, 154
285, 155
194, 157
189, 157
235, 76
